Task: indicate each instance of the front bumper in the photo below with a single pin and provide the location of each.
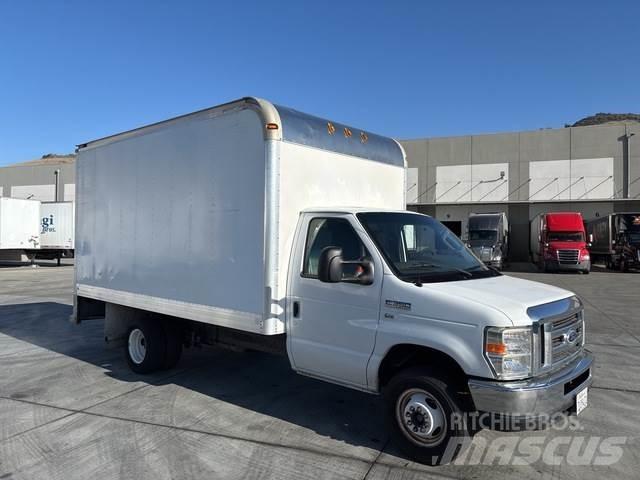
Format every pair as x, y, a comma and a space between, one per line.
493, 263
582, 266
535, 397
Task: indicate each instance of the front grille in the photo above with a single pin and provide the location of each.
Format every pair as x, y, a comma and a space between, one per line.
559, 340
568, 257
483, 253
564, 322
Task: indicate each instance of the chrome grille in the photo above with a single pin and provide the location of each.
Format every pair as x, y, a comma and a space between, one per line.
568, 257
563, 322
559, 340
483, 253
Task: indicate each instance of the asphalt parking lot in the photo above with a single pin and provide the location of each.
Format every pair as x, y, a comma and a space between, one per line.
71, 409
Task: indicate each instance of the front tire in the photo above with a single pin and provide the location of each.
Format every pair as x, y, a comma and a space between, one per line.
426, 416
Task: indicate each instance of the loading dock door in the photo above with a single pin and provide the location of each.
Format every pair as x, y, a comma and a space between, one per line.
455, 227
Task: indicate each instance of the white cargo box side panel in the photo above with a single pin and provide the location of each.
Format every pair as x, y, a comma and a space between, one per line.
19, 223
312, 177
172, 220
57, 223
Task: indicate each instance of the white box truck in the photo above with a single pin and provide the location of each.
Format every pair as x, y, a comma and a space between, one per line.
19, 224
57, 235
256, 226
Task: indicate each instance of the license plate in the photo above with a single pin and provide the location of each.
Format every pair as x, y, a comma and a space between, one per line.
581, 401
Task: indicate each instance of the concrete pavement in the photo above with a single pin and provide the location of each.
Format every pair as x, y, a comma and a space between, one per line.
70, 408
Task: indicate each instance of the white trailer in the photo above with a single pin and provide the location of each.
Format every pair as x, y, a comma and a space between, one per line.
257, 226
19, 224
57, 230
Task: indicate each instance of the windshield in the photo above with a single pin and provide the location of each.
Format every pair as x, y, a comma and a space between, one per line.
421, 249
565, 237
486, 235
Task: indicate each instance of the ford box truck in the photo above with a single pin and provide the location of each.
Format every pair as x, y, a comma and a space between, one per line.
257, 226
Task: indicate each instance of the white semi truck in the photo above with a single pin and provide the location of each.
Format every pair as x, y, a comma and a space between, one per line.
256, 226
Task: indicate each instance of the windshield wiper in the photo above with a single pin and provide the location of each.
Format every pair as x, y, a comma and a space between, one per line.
465, 273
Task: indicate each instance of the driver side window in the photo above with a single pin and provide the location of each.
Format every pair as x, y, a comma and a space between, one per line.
332, 232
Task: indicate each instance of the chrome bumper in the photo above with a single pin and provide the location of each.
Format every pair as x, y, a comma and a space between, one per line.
580, 266
534, 397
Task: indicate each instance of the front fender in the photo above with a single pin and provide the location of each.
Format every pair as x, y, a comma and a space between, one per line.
460, 341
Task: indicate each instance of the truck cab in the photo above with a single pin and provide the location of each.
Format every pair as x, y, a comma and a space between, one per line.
488, 238
392, 302
559, 242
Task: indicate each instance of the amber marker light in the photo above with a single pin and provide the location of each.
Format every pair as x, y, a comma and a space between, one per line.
496, 348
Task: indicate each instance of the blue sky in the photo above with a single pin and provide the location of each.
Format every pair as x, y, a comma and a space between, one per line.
71, 71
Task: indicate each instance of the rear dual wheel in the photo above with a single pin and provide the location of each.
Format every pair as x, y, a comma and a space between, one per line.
152, 344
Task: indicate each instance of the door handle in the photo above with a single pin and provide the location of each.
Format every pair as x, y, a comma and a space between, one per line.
296, 309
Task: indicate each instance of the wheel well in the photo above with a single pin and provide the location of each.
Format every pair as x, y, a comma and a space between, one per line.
407, 355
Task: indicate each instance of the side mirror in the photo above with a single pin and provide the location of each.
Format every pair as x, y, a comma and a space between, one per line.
366, 275
330, 268
330, 265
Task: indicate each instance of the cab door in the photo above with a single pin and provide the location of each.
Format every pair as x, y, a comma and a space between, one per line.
332, 326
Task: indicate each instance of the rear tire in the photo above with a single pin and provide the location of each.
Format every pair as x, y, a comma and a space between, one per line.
426, 416
146, 346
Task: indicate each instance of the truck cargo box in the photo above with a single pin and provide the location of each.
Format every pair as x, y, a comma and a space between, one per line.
19, 223
194, 217
57, 225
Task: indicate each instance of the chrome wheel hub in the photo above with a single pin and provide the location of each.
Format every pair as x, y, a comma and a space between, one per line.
421, 417
137, 346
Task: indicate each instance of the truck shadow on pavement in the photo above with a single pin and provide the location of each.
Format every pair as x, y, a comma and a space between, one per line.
252, 394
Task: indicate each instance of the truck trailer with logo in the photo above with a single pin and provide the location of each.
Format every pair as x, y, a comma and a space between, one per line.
616, 240
296, 241
558, 242
57, 236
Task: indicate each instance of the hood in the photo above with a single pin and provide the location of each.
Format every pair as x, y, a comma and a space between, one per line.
510, 295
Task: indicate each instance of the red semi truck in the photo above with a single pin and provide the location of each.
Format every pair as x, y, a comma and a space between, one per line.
558, 242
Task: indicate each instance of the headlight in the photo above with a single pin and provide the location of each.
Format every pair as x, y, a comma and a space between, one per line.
509, 351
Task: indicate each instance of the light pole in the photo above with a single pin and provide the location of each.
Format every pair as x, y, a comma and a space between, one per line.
625, 162
57, 184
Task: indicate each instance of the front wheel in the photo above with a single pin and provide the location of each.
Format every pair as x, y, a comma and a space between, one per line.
426, 416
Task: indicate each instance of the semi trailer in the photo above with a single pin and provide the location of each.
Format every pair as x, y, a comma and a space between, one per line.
558, 242
616, 240
19, 230
255, 226
57, 224
488, 237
